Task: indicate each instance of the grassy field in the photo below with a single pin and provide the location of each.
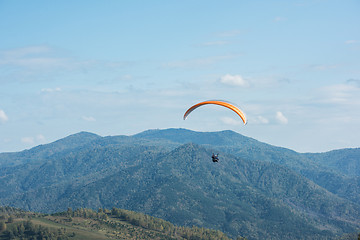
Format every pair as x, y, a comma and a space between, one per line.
82, 228
81, 232
89, 224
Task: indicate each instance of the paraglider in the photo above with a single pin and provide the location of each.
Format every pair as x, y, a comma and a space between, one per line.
231, 106
215, 158
218, 102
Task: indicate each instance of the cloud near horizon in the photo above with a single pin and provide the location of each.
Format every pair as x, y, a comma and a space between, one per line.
281, 118
197, 62
262, 120
352, 41
32, 57
3, 117
341, 94
39, 139
50, 90
39, 60
279, 19
231, 121
215, 43
234, 80
89, 118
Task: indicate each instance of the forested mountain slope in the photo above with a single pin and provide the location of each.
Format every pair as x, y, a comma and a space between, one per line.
256, 190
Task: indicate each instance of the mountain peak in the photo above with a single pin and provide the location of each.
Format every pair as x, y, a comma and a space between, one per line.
69, 142
181, 135
84, 134
77, 139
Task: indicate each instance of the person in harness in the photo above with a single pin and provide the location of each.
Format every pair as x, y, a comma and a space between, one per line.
215, 158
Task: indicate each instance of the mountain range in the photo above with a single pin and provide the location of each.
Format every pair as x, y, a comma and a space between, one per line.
256, 190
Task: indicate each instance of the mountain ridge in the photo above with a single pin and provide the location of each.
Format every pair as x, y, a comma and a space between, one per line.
253, 191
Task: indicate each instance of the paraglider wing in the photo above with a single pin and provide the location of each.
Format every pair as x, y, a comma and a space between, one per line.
218, 102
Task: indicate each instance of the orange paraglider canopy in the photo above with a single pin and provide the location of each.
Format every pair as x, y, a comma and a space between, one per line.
221, 103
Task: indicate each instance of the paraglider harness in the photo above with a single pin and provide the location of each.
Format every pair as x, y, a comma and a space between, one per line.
215, 157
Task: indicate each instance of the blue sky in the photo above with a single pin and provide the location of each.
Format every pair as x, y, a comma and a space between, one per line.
122, 67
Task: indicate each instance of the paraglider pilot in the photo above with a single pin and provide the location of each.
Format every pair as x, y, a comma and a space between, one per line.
215, 157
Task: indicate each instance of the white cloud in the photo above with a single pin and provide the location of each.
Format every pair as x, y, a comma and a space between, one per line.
231, 121
234, 80
341, 93
351, 41
23, 52
262, 120
28, 140
172, 92
31, 57
3, 117
89, 119
40, 138
38, 60
215, 43
199, 62
353, 81
50, 90
126, 77
229, 33
281, 118
279, 19
323, 67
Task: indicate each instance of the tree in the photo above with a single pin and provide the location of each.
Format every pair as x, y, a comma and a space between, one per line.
70, 212
2, 226
240, 238
21, 229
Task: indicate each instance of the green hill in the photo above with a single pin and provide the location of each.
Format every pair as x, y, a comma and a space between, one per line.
256, 190
89, 224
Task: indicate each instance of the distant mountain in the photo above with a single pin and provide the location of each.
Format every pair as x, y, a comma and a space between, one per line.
345, 161
44, 151
256, 190
337, 171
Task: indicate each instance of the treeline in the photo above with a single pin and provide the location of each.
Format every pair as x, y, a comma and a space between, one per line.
117, 223
16, 224
146, 222
28, 230
10, 211
158, 224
